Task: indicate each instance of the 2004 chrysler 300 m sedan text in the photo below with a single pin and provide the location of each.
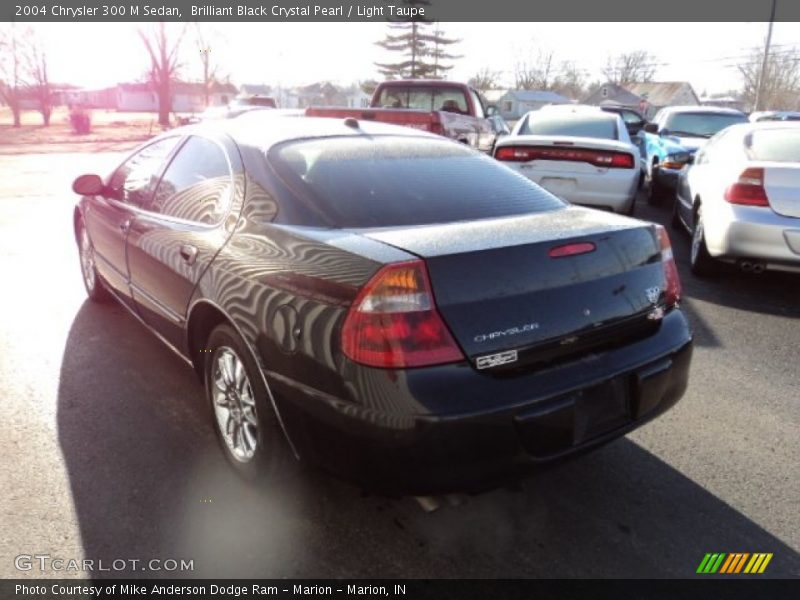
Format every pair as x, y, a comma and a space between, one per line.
390, 305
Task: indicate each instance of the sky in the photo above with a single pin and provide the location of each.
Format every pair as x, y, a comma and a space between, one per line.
289, 54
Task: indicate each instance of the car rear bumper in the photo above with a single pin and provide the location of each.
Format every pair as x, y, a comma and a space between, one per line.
611, 189
523, 422
738, 232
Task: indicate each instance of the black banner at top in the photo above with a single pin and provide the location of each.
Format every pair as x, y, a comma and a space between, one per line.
388, 10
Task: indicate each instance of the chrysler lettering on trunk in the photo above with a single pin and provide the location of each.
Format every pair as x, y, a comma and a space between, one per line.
485, 337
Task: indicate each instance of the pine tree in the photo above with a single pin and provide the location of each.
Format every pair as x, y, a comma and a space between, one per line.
423, 49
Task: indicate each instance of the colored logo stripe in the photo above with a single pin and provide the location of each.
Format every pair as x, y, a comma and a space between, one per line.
720, 562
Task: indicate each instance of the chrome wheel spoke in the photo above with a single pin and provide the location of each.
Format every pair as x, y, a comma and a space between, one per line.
234, 405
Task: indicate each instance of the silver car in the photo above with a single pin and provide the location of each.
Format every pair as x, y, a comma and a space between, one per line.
740, 199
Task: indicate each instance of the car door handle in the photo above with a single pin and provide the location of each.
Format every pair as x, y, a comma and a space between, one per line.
188, 253
125, 226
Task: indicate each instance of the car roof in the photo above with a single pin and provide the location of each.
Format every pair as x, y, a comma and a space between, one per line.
703, 109
263, 129
762, 125
574, 109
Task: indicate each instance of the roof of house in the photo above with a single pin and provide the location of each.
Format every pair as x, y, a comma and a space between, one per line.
660, 93
537, 96
616, 96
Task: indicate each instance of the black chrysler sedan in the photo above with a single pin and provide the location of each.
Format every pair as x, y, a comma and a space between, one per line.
387, 304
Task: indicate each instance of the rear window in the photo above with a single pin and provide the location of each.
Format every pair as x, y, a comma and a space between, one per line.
777, 145
701, 124
599, 126
423, 98
387, 181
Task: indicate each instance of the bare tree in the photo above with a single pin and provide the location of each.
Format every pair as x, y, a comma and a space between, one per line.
12, 68
781, 79
570, 81
485, 79
163, 65
630, 67
39, 79
205, 39
535, 73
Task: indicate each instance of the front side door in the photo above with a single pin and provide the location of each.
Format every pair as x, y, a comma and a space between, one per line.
108, 217
174, 239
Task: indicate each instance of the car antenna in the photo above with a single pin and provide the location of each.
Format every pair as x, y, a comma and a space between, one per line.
351, 122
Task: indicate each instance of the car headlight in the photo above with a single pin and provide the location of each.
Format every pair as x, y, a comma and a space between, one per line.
676, 160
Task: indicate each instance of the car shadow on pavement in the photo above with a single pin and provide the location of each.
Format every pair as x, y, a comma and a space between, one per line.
149, 482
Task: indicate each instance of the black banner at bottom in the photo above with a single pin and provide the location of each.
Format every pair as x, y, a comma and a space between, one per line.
406, 589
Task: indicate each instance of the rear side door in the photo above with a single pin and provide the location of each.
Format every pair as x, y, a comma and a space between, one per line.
108, 217
174, 239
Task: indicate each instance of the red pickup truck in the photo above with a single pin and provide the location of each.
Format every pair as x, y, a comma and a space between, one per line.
451, 109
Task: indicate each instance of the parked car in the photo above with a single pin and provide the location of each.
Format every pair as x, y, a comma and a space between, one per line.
447, 108
579, 153
634, 121
399, 309
674, 135
775, 115
238, 107
740, 199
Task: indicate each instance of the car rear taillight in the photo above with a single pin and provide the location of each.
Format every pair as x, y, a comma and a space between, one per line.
672, 291
598, 158
393, 322
748, 189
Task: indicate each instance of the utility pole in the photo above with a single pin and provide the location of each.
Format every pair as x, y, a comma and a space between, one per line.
763, 73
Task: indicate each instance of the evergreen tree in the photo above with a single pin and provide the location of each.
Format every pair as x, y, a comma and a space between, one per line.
424, 49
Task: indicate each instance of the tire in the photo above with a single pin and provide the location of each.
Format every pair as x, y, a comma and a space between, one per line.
95, 287
655, 194
675, 221
245, 422
632, 208
700, 261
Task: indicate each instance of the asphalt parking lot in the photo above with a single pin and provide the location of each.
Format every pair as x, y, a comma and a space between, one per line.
108, 451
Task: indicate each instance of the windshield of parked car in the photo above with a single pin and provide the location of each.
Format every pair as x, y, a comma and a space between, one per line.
600, 125
424, 98
700, 124
778, 145
386, 181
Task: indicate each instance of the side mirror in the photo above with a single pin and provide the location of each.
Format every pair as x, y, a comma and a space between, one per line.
651, 128
88, 185
664, 132
690, 160
491, 110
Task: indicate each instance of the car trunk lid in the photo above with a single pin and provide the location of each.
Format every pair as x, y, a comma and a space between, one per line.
539, 287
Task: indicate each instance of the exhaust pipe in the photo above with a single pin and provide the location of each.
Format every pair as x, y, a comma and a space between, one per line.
427, 503
751, 266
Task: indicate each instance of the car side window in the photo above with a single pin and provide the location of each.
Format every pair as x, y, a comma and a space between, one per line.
712, 150
134, 181
197, 184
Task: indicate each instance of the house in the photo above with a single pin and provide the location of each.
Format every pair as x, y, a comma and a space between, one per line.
320, 94
248, 90
612, 94
515, 103
659, 94
186, 96
356, 97
492, 97
646, 97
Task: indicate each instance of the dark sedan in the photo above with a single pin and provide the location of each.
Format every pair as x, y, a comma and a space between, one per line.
387, 304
